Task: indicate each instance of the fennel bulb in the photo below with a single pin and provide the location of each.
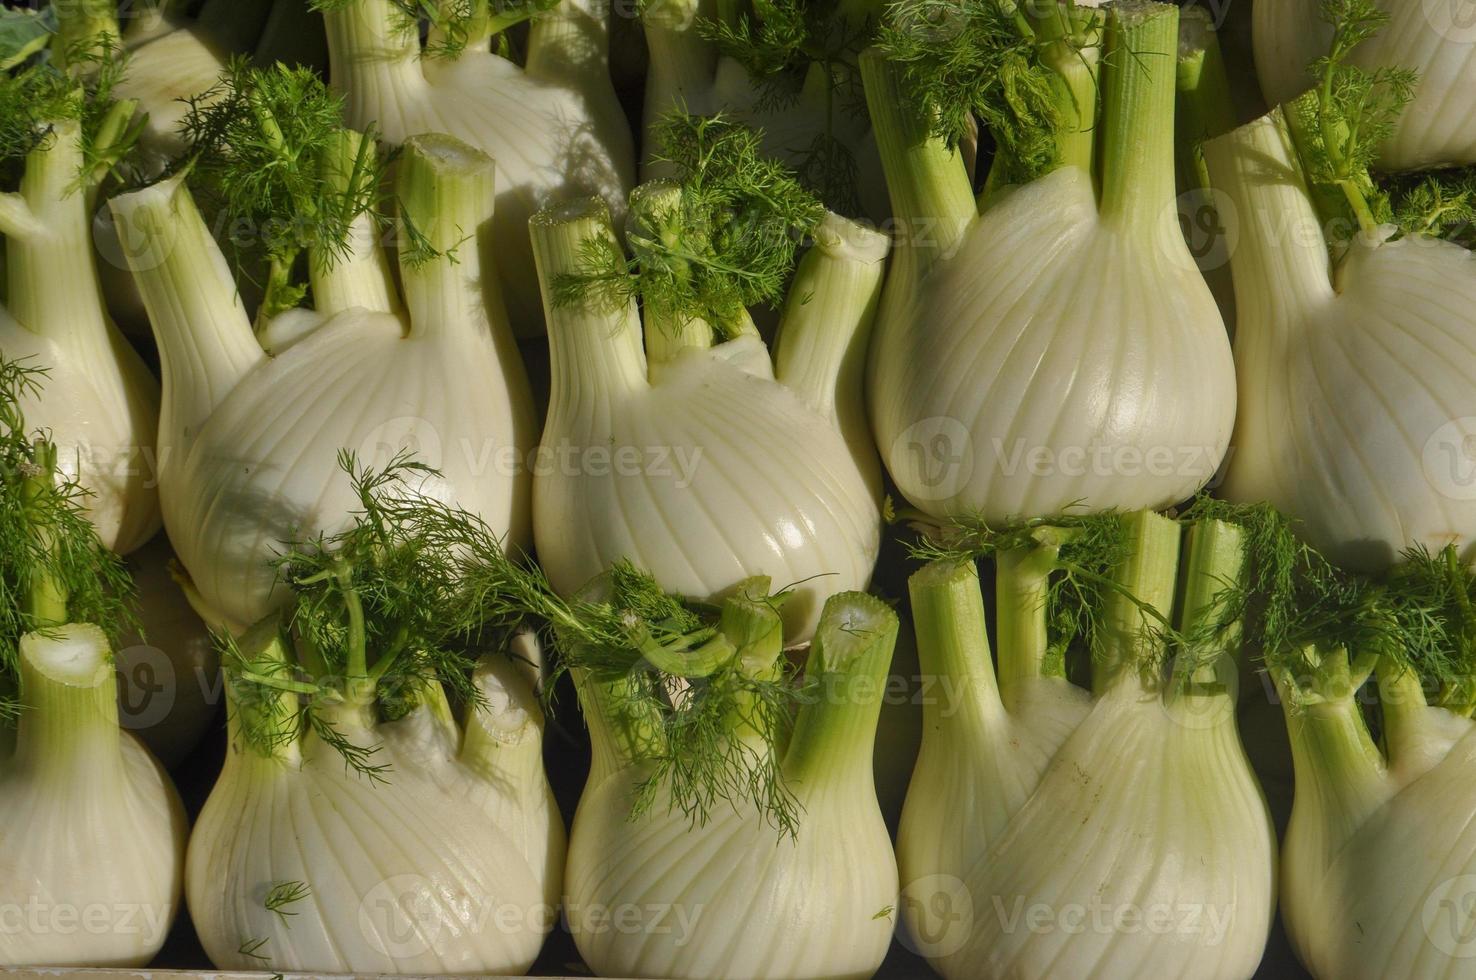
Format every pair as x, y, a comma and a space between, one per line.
94, 833
1061, 347
553, 125
807, 105
251, 435
1378, 865
736, 895
1377, 861
1050, 831
100, 404
1436, 39
93, 841
1355, 376
168, 668
706, 462
419, 844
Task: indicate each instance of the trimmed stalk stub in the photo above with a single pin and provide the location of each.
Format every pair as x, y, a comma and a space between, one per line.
555, 128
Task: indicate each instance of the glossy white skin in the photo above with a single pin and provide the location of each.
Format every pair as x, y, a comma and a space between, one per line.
263, 469
98, 829
755, 482
1430, 36
1069, 805
742, 902
101, 406
1356, 393
554, 136
1377, 873
405, 876
1057, 331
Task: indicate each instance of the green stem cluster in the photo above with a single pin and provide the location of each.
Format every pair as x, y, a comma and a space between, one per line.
1152, 626
1114, 82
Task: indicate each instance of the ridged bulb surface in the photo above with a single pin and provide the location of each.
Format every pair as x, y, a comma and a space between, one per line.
1056, 358
712, 473
1110, 839
263, 468
1386, 893
80, 850
1436, 38
1357, 408
736, 899
92, 851
404, 878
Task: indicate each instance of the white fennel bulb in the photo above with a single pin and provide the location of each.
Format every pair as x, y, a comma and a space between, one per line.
1061, 347
816, 127
706, 463
1049, 831
554, 124
414, 871
1379, 858
94, 836
94, 833
1356, 402
100, 404
421, 843
1435, 38
738, 896
252, 434
168, 667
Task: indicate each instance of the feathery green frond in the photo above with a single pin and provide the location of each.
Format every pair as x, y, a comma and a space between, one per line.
259, 142
727, 241
53, 567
